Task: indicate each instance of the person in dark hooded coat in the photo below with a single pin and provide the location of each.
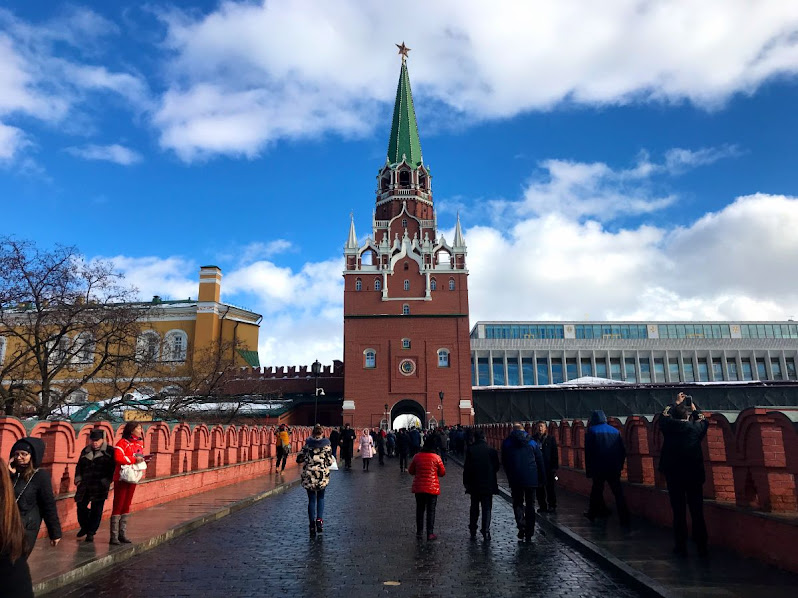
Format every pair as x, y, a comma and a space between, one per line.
33, 490
93, 476
604, 459
523, 464
348, 436
335, 439
479, 478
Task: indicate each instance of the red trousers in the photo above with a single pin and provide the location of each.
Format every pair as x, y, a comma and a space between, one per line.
123, 496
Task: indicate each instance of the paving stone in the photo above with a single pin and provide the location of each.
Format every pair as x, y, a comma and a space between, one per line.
369, 539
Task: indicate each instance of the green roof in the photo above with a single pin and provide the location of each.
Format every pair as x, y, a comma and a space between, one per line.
404, 141
251, 357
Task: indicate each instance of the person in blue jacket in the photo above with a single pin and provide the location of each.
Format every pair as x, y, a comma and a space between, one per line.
604, 459
523, 464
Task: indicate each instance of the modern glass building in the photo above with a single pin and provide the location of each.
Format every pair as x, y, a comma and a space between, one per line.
538, 353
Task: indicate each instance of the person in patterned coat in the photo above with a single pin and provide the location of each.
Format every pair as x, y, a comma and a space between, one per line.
316, 458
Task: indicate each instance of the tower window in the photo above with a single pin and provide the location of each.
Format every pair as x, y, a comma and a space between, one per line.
404, 178
406, 266
433, 284
405, 343
443, 358
369, 359
384, 183
451, 284
404, 222
405, 310
407, 285
358, 285
377, 284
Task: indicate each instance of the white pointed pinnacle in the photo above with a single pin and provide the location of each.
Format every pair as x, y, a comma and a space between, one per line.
351, 242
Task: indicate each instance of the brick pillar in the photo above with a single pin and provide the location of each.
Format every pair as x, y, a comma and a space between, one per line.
718, 461
639, 462
565, 441
158, 442
201, 443
60, 455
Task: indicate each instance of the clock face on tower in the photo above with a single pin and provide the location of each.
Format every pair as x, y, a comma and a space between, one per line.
407, 367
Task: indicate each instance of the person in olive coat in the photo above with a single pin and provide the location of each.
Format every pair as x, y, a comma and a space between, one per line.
93, 476
33, 490
546, 494
479, 478
683, 427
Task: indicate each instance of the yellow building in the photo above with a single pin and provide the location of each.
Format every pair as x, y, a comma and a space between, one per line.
180, 347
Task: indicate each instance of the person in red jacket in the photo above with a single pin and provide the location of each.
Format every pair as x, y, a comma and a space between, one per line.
425, 468
127, 451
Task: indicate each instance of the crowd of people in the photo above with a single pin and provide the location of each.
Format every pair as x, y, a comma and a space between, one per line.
530, 463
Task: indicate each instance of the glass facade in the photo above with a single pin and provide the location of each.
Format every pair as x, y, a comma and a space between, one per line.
775, 368
587, 367
601, 368
731, 366
717, 369
761, 372
645, 371
615, 368
528, 370
694, 331
791, 373
570, 369
769, 330
498, 371
659, 370
611, 331
550, 331
703, 370
543, 371
556, 371
631, 375
512, 372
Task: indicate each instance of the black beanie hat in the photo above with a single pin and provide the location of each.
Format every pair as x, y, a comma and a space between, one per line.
32, 445
96, 434
22, 445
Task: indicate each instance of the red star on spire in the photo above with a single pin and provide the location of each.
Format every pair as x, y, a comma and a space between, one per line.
403, 50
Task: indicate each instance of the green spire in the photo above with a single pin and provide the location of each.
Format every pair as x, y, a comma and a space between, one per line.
404, 139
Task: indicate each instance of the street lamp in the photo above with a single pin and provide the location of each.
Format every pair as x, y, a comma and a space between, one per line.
387, 418
440, 396
316, 369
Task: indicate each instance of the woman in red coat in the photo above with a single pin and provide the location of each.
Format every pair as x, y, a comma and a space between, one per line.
426, 467
127, 451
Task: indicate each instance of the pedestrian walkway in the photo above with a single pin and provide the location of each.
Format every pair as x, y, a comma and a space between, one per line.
643, 552
369, 548
73, 559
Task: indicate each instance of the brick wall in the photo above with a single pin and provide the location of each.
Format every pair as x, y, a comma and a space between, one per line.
751, 497
187, 459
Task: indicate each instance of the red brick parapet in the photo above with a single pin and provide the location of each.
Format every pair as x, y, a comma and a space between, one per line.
187, 459
751, 466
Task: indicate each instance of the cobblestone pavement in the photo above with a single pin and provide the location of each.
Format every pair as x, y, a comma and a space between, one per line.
369, 540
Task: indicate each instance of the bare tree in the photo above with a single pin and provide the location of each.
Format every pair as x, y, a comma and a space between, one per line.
64, 321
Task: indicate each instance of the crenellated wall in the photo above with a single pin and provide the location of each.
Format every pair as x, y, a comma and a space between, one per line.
751, 493
187, 459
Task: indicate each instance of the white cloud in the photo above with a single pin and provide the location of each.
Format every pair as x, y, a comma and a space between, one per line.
11, 140
118, 154
250, 73
170, 278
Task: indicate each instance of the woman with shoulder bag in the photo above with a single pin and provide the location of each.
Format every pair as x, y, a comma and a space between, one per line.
128, 451
33, 490
316, 458
366, 448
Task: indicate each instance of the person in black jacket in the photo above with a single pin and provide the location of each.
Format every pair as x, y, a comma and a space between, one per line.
93, 476
683, 427
335, 437
523, 464
547, 497
14, 570
402, 448
479, 479
33, 490
604, 459
347, 445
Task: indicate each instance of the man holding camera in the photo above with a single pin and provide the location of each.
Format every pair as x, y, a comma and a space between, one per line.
682, 461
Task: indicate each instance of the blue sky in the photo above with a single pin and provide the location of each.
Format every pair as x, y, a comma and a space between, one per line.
622, 159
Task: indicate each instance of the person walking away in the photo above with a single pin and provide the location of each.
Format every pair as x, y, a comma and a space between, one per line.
335, 438
683, 427
604, 459
33, 491
93, 476
283, 447
402, 448
366, 448
547, 496
390, 443
316, 458
415, 441
426, 468
381, 446
479, 478
523, 464
347, 445
129, 450
14, 570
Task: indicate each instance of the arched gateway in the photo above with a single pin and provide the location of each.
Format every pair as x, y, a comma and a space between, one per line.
406, 333
408, 407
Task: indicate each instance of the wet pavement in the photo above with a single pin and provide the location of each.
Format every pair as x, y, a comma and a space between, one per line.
369, 547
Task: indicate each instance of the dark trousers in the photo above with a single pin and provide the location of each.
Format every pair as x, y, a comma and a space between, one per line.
282, 456
547, 497
334, 451
402, 460
597, 506
381, 455
89, 515
486, 502
684, 494
524, 509
425, 502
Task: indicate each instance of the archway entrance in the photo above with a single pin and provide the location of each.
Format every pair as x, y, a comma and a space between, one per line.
407, 407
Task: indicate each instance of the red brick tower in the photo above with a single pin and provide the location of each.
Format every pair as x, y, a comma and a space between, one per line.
406, 330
